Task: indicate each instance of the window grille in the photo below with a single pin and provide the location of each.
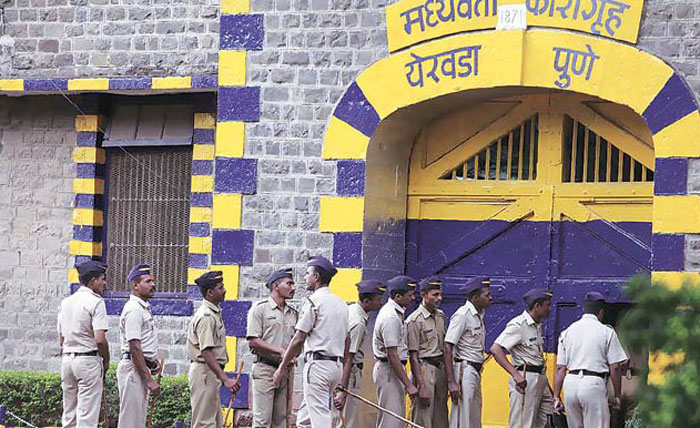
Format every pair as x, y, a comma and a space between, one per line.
148, 198
590, 158
510, 157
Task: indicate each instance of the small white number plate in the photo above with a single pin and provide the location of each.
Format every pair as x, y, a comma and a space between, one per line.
512, 17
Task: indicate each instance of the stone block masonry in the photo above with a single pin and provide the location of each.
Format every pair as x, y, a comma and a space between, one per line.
91, 38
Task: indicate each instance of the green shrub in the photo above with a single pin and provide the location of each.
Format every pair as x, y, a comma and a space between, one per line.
666, 321
37, 398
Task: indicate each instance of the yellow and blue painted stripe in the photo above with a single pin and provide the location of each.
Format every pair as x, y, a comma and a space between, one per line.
152, 84
235, 175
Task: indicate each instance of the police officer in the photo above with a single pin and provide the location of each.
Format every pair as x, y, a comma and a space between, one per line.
206, 349
425, 339
82, 325
391, 352
270, 329
139, 347
323, 329
590, 351
530, 395
370, 293
465, 341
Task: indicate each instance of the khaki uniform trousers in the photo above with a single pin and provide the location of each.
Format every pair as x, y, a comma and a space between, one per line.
435, 414
269, 403
133, 396
586, 402
391, 395
320, 379
351, 409
467, 414
538, 402
204, 397
81, 382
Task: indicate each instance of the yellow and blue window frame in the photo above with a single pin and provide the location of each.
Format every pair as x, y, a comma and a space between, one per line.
221, 173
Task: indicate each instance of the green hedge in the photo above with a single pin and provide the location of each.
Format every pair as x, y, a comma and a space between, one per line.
37, 398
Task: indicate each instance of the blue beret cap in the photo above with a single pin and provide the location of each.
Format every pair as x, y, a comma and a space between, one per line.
430, 283
401, 283
594, 296
138, 270
476, 283
210, 279
279, 274
91, 267
536, 294
371, 286
323, 263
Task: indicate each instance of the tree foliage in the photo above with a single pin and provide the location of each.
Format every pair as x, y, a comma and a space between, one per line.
666, 322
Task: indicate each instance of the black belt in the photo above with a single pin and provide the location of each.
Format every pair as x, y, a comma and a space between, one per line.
360, 366
531, 369
320, 357
152, 365
433, 361
386, 360
589, 373
81, 354
477, 366
269, 361
203, 362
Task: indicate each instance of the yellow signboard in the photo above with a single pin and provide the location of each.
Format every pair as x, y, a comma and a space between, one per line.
413, 21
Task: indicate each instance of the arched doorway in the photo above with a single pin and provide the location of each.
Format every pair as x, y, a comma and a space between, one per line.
372, 132
551, 189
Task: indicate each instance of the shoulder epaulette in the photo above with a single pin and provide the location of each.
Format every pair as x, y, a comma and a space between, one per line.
260, 302
311, 302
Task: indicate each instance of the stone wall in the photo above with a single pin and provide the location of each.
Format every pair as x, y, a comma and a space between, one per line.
37, 136
36, 173
89, 38
313, 50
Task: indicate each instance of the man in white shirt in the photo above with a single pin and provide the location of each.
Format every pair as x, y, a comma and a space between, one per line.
590, 351
139, 347
323, 331
370, 292
465, 341
82, 326
530, 394
391, 352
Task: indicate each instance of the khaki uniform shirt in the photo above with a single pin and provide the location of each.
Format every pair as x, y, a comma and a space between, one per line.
325, 320
207, 331
272, 324
357, 317
426, 332
389, 331
590, 345
467, 334
79, 316
136, 322
523, 338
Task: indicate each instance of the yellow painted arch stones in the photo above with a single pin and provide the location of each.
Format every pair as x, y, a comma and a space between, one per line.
544, 58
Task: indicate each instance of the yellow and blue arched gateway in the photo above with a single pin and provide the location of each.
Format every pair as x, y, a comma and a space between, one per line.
532, 143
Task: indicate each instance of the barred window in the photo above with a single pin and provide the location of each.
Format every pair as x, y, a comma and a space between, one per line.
510, 157
148, 198
590, 158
